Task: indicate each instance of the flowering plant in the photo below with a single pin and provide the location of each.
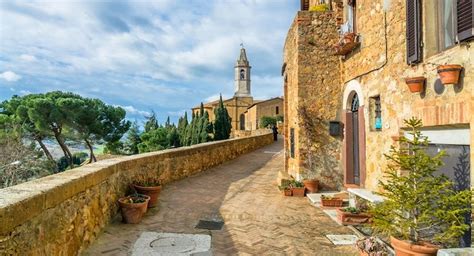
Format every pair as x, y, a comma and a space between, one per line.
371, 246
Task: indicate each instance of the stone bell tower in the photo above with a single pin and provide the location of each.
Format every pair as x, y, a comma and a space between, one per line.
242, 75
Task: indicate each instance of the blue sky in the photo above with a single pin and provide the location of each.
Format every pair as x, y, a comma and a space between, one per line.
161, 55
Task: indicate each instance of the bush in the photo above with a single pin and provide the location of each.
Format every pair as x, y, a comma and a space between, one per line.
319, 8
267, 121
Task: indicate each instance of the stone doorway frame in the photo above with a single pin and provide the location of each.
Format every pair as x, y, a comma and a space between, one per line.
352, 88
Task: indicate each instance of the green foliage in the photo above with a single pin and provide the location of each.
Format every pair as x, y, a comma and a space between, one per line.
154, 140
77, 159
419, 204
267, 121
352, 210
151, 122
133, 139
173, 138
222, 124
319, 8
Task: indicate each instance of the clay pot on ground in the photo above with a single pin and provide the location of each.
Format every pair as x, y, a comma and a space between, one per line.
449, 74
348, 218
133, 208
311, 185
298, 191
331, 202
406, 248
152, 191
415, 84
287, 192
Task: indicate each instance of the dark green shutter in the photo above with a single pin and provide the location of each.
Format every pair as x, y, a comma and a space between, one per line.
465, 10
413, 33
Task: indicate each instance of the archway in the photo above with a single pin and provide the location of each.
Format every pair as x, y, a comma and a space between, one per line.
242, 122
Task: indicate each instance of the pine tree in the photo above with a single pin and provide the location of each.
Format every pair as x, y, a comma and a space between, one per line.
419, 204
204, 134
222, 124
151, 122
133, 139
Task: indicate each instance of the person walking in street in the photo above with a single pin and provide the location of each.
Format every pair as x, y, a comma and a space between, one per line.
275, 133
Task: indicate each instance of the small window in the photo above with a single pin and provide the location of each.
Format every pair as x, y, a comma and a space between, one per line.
277, 111
292, 142
242, 74
351, 16
375, 113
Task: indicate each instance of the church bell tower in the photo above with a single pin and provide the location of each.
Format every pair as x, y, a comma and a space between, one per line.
242, 75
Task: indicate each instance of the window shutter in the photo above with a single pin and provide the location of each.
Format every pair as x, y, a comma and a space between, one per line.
465, 10
413, 19
304, 5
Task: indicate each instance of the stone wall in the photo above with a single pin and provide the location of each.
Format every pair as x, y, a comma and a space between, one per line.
313, 87
258, 110
63, 213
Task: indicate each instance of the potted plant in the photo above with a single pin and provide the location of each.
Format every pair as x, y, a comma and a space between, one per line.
297, 188
133, 207
151, 188
330, 201
311, 184
286, 190
422, 211
371, 246
449, 74
353, 216
415, 84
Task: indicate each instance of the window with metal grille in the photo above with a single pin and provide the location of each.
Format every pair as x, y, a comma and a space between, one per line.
375, 113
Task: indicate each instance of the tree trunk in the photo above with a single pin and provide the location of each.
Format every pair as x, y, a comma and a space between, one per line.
45, 149
91, 152
65, 149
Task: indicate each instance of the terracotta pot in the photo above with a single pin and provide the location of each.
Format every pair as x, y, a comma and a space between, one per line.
406, 248
298, 192
415, 84
311, 185
334, 202
348, 38
347, 218
449, 74
287, 192
153, 192
132, 213
362, 253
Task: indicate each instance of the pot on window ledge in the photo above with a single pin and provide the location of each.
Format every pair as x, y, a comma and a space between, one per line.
449, 74
415, 84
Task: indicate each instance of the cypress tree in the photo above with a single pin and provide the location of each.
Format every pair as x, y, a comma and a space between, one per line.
222, 125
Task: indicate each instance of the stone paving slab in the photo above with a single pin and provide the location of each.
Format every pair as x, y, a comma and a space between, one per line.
243, 192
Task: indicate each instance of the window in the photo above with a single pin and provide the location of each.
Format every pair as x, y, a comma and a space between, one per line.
413, 31
242, 74
375, 113
441, 23
350, 12
292, 142
277, 111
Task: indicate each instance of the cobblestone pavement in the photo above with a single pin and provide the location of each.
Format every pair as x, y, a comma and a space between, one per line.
242, 192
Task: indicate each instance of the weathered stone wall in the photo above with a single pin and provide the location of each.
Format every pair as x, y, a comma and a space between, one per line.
313, 89
439, 106
63, 213
261, 109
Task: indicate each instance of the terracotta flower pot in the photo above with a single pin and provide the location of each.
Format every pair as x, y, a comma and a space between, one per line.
311, 185
449, 74
152, 191
415, 84
334, 202
298, 192
406, 248
132, 213
287, 192
348, 218
362, 253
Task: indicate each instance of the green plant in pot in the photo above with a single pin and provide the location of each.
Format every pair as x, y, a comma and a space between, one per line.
149, 186
297, 188
422, 211
133, 207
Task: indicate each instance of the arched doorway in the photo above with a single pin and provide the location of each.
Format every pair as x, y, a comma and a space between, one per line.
242, 122
355, 156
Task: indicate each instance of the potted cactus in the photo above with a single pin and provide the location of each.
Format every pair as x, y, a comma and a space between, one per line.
422, 210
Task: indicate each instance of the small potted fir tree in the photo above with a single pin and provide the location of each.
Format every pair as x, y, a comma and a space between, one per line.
422, 211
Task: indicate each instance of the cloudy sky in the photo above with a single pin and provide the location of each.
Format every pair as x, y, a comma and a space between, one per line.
161, 55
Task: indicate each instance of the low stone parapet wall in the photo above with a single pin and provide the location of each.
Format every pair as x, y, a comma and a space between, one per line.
63, 213
245, 133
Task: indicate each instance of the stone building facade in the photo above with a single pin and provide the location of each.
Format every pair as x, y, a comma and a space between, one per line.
272, 107
391, 41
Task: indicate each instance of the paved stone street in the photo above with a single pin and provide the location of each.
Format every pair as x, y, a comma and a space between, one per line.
243, 192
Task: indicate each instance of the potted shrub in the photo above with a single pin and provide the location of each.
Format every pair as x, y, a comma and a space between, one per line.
286, 190
422, 211
133, 207
311, 185
330, 201
297, 188
151, 188
415, 84
449, 74
353, 216
371, 246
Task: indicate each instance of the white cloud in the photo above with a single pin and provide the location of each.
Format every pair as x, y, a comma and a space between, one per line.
10, 76
28, 58
133, 111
